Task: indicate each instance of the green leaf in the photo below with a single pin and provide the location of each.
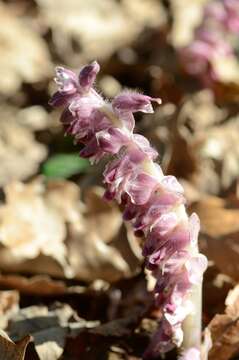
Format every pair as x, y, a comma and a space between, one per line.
64, 166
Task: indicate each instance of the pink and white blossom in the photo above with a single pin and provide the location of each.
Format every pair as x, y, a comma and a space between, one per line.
153, 202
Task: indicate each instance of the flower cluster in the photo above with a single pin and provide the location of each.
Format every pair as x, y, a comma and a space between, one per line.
213, 40
153, 202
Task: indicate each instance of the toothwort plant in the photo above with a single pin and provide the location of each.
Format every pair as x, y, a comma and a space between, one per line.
152, 202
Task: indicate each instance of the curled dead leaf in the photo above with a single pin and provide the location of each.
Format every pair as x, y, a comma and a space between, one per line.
10, 350
37, 227
224, 329
218, 216
37, 285
221, 145
220, 232
49, 328
103, 243
91, 258
71, 209
42, 234
98, 213
196, 142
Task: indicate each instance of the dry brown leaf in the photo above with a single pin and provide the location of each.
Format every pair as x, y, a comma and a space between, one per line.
221, 145
37, 285
182, 137
99, 212
39, 232
33, 117
106, 338
196, 119
216, 286
42, 264
224, 329
20, 154
218, 216
213, 141
97, 27
48, 327
37, 228
200, 112
33, 319
91, 258
227, 92
17, 65
11, 351
71, 208
220, 229
89, 254
200, 143
187, 15
119, 327
99, 252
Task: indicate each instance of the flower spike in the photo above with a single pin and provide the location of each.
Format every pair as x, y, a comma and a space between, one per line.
152, 202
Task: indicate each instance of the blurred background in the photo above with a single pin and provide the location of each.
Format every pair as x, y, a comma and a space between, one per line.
65, 254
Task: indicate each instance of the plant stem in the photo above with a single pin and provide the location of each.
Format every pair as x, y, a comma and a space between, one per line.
192, 325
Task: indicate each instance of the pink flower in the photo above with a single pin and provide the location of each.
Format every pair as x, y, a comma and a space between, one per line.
69, 85
173, 241
198, 57
87, 76
144, 146
153, 202
124, 176
157, 209
133, 102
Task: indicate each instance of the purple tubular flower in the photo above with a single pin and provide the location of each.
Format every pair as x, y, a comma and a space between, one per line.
87, 75
67, 83
153, 202
133, 102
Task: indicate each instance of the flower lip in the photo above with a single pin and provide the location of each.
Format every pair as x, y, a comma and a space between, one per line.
133, 102
66, 80
87, 75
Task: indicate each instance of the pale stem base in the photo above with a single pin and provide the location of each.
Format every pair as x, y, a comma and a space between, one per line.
192, 325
